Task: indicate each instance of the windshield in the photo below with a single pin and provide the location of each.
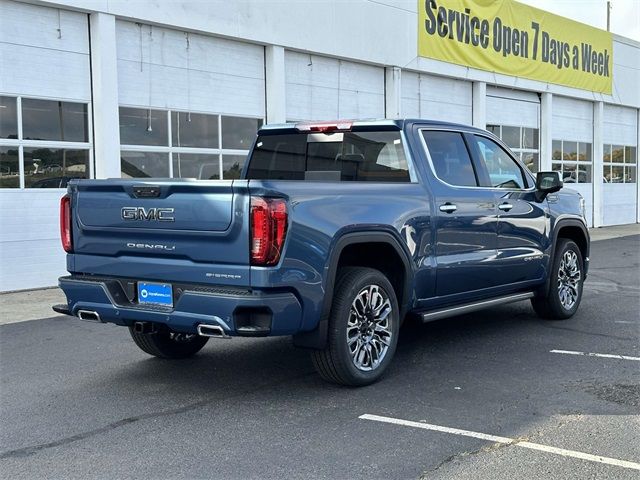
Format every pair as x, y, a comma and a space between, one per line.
339, 156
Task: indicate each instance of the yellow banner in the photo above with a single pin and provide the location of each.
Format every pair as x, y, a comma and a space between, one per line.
508, 37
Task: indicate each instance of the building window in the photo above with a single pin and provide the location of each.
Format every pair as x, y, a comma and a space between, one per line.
232, 165
144, 164
43, 143
194, 130
523, 141
142, 126
56, 121
54, 167
573, 160
620, 164
9, 167
165, 143
196, 165
8, 118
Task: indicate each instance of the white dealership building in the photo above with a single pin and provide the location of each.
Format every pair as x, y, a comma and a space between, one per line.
139, 88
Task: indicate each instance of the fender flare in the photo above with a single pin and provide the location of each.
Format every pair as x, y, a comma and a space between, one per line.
317, 338
560, 224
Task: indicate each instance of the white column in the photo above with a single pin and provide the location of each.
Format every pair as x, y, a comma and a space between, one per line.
104, 86
546, 129
393, 92
479, 105
638, 167
275, 85
598, 126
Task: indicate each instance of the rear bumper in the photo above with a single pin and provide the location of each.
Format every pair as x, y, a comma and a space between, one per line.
239, 312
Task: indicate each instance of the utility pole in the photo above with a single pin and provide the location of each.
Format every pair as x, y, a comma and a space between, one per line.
608, 16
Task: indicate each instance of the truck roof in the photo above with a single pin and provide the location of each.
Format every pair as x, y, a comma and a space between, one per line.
363, 125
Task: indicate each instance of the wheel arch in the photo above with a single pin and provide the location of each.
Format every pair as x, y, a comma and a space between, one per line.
342, 248
572, 229
575, 230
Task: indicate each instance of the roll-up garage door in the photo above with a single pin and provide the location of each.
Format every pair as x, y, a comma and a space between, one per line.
170, 69
514, 116
190, 104
436, 98
572, 146
321, 88
45, 94
620, 165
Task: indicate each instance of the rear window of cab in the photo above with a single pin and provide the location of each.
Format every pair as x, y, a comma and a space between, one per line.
330, 156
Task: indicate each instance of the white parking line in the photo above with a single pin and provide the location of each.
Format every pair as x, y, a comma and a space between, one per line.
600, 355
511, 441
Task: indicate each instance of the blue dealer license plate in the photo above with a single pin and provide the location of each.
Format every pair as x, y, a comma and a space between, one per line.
155, 294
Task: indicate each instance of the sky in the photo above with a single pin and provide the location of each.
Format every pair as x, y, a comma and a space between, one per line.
625, 14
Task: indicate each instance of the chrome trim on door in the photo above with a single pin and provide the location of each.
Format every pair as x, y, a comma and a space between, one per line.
505, 206
448, 208
486, 134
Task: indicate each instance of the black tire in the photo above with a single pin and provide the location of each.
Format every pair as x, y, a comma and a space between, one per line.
167, 344
335, 363
550, 305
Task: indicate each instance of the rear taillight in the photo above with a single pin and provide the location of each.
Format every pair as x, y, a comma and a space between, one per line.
65, 223
268, 229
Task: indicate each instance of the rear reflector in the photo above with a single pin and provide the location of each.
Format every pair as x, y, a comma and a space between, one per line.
268, 229
325, 127
65, 223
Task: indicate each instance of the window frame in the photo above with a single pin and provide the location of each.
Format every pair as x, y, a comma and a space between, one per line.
21, 143
577, 163
170, 149
624, 163
476, 161
520, 151
465, 141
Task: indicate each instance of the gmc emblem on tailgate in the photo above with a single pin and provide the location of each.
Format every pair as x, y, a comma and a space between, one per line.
141, 213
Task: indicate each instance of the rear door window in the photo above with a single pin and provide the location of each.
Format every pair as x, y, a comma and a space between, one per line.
450, 158
338, 156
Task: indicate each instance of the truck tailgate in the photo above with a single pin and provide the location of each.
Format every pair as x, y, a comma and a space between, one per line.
171, 230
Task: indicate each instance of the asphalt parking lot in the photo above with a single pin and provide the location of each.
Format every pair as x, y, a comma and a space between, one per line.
79, 400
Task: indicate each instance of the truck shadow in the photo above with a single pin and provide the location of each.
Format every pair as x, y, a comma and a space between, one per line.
229, 367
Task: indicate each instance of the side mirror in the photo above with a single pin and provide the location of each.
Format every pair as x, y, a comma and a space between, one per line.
546, 183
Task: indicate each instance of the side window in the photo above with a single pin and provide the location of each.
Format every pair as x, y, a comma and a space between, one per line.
450, 158
503, 171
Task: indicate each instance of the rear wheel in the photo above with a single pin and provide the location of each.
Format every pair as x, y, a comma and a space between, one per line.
565, 288
363, 329
168, 344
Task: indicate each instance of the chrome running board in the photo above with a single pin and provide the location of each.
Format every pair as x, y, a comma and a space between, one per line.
473, 306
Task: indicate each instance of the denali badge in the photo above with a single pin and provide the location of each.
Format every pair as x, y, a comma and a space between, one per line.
151, 246
141, 213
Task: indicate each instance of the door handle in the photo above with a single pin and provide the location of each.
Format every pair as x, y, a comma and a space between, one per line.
448, 208
505, 206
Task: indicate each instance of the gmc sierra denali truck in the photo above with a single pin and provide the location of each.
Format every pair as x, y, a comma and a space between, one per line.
335, 232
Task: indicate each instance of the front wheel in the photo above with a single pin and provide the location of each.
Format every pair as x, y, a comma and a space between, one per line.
363, 329
168, 344
565, 287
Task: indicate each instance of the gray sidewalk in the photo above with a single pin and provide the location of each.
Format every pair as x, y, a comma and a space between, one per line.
36, 304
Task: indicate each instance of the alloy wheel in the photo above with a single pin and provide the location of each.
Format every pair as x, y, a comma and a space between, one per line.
569, 277
369, 328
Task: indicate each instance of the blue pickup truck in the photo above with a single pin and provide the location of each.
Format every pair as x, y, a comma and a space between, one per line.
334, 234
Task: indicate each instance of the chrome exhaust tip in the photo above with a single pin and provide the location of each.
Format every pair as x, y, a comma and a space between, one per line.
89, 316
215, 331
